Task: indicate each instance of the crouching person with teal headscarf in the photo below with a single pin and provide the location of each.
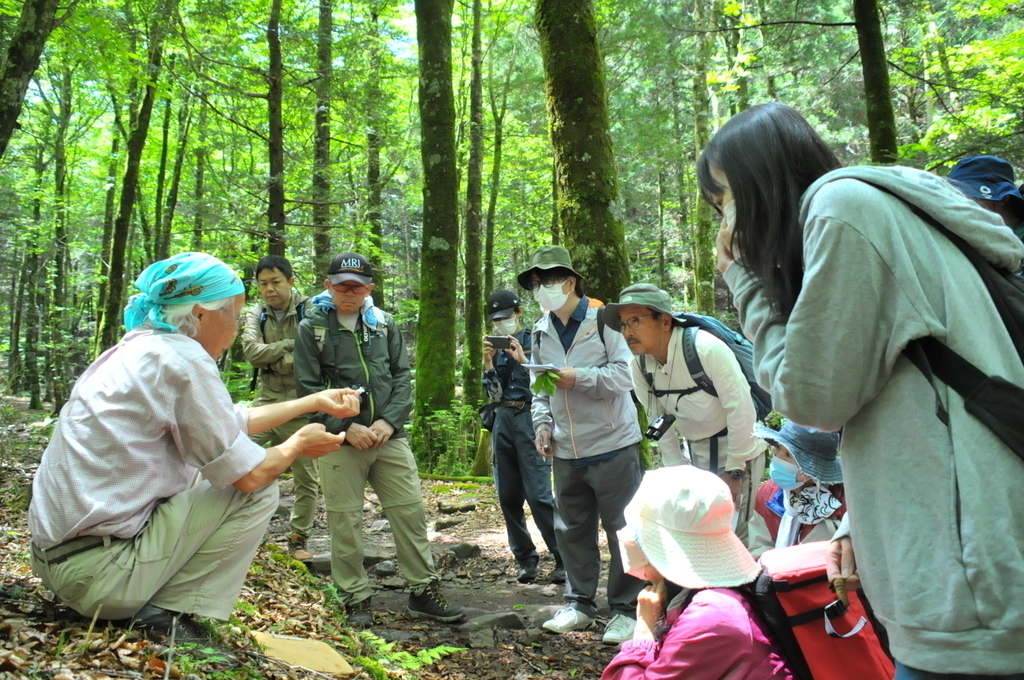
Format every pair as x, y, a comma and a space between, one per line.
150, 500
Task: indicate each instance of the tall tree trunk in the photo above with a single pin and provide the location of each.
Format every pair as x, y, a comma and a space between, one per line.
35, 266
435, 338
877, 96
38, 19
184, 126
161, 178
109, 213
703, 239
59, 330
473, 351
374, 143
199, 192
111, 323
15, 376
322, 140
275, 134
556, 237
584, 164
498, 108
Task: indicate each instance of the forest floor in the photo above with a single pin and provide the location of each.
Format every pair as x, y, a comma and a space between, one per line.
40, 638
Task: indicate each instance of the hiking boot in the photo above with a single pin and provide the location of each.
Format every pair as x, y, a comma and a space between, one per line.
558, 575
568, 618
619, 629
297, 548
359, 614
527, 572
430, 603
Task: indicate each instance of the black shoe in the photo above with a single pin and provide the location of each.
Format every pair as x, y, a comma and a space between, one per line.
431, 604
165, 625
173, 628
359, 614
527, 572
558, 575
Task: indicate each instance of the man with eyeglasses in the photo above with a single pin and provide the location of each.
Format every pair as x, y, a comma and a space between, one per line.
719, 427
268, 342
589, 426
346, 340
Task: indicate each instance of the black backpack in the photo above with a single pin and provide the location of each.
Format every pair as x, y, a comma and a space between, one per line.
995, 401
740, 347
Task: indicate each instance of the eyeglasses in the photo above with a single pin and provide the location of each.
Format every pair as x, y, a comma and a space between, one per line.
236, 317
356, 289
546, 281
633, 323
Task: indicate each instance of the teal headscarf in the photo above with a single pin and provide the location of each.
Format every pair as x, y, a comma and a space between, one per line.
186, 278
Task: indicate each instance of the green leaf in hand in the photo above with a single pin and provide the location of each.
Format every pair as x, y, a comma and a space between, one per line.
545, 383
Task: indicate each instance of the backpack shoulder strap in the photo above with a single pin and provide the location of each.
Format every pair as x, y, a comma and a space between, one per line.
600, 323
693, 364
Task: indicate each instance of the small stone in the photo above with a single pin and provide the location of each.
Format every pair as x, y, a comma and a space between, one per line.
385, 568
465, 551
320, 564
447, 523
380, 526
481, 638
533, 635
503, 620
448, 576
450, 507
494, 572
395, 582
372, 557
502, 635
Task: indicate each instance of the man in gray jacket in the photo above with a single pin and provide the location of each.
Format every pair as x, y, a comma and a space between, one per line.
589, 425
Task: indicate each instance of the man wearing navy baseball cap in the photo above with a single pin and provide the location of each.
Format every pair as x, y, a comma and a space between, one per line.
989, 181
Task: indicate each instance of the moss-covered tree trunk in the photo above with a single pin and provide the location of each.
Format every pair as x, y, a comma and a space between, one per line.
473, 354
877, 97
275, 134
376, 124
703, 227
435, 329
585, 172
37, 20
321, 212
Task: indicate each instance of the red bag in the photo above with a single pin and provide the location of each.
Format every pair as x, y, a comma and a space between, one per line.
822, 638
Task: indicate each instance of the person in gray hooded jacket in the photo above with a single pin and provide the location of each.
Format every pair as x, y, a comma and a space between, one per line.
833, 277
590, 427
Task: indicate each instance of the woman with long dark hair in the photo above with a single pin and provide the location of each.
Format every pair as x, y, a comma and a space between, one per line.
834, 274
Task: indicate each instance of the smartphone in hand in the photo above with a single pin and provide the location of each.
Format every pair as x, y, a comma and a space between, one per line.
499, 342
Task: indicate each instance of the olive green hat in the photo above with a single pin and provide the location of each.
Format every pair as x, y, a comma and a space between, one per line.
642, 294
547, 257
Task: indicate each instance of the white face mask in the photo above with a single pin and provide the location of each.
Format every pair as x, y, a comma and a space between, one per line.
506, 326
729, 215
551, 297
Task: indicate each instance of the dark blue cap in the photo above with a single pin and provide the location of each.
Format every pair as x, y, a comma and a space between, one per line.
989, 178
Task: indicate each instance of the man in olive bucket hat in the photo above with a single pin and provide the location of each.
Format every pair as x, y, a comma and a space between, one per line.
718, 428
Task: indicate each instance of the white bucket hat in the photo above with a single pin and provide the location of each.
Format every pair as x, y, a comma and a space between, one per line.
681, 517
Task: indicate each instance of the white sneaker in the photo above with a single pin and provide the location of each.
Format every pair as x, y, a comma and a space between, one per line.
568, 619
619, 629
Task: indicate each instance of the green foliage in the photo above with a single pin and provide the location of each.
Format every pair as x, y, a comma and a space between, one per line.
545, 383
447, 435
402, 659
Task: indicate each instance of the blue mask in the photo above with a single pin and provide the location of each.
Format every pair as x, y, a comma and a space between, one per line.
784, 474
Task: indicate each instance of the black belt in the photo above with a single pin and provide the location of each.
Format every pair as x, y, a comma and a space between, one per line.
514, 404
62, 551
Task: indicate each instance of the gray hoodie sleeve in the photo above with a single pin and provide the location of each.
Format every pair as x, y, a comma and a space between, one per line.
837, 349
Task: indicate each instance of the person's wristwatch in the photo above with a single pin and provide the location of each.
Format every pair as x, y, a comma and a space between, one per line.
736, 474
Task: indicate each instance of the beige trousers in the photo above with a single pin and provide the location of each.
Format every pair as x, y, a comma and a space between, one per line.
305, 476
391, 471
191, 556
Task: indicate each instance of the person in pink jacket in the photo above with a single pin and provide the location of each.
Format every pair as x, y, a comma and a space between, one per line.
694, 621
